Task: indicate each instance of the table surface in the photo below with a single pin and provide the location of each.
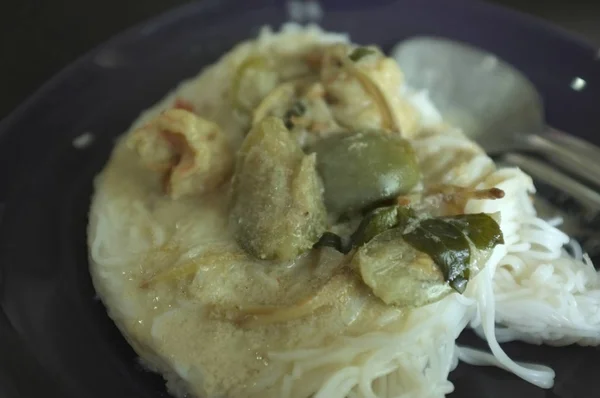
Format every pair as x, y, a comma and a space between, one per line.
38, 38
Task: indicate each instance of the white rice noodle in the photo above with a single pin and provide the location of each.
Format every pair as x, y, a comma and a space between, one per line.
542, 294
412, 363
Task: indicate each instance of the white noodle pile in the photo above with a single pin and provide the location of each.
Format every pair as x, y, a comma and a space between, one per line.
381, 364
542, 294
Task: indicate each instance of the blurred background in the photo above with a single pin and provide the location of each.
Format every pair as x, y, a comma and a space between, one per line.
40, 37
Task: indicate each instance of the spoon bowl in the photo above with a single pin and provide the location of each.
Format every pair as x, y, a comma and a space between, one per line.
492, 102
474, 90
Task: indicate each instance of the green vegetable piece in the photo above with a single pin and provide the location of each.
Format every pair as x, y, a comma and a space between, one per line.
329, 239
374, 223
398, 273
361, 169
360, 52
277, 206
481, 229
380, 220
447, 246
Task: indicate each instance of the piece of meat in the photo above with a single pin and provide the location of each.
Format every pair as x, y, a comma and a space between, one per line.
192, 153
181, 103
364, 93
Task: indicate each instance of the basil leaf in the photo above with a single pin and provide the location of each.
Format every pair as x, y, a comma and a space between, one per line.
481, 229
359, 53
447, 246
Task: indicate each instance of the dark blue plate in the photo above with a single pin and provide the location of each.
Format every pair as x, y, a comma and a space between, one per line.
55, 337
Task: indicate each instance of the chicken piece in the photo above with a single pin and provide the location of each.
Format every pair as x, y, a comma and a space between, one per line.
277, 101
253, 79
362, 87
301, 105
319, 119
192, 153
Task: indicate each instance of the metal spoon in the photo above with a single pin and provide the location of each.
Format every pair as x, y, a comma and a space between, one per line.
491, 101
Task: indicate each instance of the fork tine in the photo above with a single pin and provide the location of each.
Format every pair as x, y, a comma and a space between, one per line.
558, 180
577, 162
574, 143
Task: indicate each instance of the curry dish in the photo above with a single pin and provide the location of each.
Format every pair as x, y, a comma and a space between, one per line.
280, 223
